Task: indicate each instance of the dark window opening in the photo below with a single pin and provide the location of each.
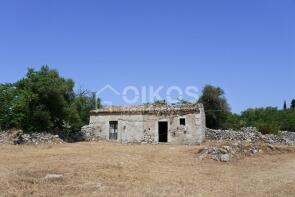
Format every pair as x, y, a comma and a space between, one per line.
182, 121
163, 131
113, 130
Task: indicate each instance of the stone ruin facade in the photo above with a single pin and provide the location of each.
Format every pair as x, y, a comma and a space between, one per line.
174, 124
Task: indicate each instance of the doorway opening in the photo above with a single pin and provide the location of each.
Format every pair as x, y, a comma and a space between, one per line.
113, 130
163, 132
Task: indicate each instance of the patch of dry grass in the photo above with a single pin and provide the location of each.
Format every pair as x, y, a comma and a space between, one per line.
105, 169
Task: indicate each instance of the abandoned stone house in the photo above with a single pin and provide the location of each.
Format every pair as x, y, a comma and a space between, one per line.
184, 124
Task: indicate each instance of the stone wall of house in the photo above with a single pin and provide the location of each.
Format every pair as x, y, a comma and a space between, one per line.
130, 127
143, 128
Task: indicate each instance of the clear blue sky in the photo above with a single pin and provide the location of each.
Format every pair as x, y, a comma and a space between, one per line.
247, 47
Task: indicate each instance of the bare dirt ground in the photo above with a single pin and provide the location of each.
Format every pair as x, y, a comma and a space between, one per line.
105, 169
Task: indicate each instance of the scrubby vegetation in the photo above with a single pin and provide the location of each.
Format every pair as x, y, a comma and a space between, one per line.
267, 120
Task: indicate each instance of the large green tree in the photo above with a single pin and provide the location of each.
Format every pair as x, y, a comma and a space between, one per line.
43, 101
216, 106
48, 98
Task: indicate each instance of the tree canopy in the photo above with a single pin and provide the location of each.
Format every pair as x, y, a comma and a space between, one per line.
43, 101
215, 105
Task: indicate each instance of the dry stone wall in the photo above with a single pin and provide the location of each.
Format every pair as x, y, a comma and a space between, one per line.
225, 145
251, 134
19, 137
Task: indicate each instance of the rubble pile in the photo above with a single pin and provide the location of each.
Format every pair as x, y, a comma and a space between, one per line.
88, 132
225, 145
226, 151
287, 137
19, 137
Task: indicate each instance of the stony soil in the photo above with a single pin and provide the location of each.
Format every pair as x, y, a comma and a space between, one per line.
227, 151
106, 169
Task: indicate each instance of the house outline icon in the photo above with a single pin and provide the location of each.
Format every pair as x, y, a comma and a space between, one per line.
108, 86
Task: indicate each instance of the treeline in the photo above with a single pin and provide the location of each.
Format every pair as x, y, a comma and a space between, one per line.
267, 120
44, 101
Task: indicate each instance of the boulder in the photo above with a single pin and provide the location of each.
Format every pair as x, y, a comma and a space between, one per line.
54, 177
225, 158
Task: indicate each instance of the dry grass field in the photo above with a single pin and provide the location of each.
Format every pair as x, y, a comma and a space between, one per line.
105, 169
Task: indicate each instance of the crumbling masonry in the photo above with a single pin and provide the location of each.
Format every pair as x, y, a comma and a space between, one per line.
175, 124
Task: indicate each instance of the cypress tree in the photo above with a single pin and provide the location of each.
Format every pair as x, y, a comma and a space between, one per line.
285, 105
293, 104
